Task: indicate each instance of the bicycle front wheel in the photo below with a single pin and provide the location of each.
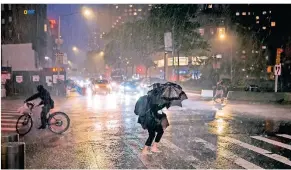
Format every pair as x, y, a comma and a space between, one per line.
24, 124
58, 122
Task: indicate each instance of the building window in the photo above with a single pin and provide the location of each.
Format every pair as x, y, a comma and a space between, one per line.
9, 6
3, 21
244, 13
149, 9
125, 10
237, 13
10, 33
130, 14
130, 10
273, 24
201, 31
257, 17
134, 9
264, 12
264, 28
139, 9
134, 13
45, 28
130, 6
249, 13
10, 19
264, 47
2, 7
210, 6
270, 12
257, 22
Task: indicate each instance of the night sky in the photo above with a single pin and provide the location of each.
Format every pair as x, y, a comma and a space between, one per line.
75, 28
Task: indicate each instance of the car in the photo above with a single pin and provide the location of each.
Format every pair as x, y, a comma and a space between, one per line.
129, 87
101, 86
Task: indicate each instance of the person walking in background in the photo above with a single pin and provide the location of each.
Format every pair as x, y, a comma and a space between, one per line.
219, 91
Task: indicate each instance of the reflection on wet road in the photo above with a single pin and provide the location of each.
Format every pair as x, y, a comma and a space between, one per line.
104, 134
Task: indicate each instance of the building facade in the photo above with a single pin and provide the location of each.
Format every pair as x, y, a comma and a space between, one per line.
25, 23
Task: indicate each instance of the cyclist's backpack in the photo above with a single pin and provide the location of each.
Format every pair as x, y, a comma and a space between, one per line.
142, 106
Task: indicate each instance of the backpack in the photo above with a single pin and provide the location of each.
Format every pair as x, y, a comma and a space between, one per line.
142, 106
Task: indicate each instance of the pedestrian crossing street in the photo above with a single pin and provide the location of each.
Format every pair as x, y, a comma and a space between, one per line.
277, 155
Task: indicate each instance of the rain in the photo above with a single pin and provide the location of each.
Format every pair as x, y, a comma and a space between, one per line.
145, 86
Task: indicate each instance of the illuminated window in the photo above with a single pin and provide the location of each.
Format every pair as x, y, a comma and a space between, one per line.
116, 7
149, 9
125, 10
273, 24
264, 47
3, 21
237, 13
139, 9
10, 19
249, 13
134, 9
130, 10
264, 12
244, 13
264, 28
270, 12
210, 6
134, 13
45, 28
130, 6
9, 6
201, 31
116, 20
112, 26
258, 22
257, 17
130, 13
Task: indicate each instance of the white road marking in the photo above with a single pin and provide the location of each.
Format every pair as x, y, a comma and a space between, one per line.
228, 155
283, 145
284, 136
261, 151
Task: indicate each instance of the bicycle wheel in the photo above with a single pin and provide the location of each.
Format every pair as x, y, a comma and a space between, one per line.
58, 122
24, 124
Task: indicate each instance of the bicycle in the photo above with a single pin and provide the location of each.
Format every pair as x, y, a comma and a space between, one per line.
50, 121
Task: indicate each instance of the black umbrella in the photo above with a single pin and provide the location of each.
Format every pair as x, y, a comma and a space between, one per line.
167, 93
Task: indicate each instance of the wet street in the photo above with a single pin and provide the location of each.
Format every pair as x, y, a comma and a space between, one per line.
104, 133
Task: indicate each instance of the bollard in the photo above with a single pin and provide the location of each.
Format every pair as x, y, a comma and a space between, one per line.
10, 137
13, 155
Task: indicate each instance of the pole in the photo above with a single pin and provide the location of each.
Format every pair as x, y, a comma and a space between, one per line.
59, 49
276, 83
165, 66
173, 49
231, 63
178, 55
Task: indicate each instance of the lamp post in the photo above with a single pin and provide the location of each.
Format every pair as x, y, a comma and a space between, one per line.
222, 37
86, 12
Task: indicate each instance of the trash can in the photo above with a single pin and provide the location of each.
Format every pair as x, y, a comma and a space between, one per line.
13, 155
9, 137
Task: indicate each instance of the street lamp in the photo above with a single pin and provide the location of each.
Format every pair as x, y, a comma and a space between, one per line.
222, 37
75, 49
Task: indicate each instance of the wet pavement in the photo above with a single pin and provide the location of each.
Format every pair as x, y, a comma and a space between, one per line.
202, 134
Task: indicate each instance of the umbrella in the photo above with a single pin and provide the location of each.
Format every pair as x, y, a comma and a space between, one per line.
168, 92
178, 102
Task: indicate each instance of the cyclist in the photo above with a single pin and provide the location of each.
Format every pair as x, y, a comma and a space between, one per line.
219, 91
46, 100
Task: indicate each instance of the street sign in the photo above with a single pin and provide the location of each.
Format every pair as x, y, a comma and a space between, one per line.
35, 78
65, 59
277, 70
59, 57
19, 79
168, 41
278, 56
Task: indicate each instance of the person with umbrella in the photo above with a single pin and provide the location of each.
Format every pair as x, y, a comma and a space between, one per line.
147, 107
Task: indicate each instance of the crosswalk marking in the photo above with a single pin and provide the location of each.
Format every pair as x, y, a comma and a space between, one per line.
283, 145
284, 136
228, 155
261, 151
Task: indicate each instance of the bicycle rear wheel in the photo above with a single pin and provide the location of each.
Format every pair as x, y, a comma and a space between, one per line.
24, 124
58, 122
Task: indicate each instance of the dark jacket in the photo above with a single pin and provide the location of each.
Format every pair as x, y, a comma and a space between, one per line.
45, 97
